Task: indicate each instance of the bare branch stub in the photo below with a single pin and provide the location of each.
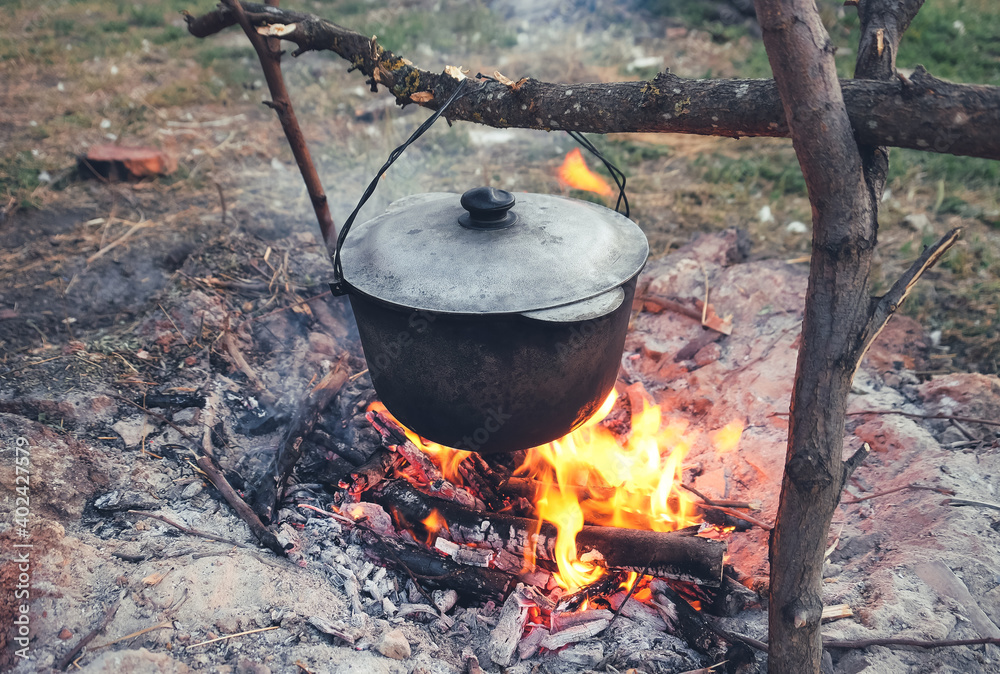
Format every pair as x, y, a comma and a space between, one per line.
923, 112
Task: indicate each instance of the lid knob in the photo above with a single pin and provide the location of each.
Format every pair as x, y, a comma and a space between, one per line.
488, 208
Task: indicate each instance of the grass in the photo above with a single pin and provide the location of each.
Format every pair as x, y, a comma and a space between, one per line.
456, 25
19, 177
776, 173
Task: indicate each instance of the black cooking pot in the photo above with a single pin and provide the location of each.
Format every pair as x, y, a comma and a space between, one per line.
488, 326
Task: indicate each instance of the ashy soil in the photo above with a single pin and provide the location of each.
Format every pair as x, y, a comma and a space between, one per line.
129, 289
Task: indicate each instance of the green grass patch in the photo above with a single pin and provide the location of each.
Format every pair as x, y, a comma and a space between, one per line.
776, 173
19, 177
956, 40
450, 28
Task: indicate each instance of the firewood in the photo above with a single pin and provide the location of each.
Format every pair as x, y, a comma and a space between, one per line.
529, 487
266, 494
564, 621
637, 611
682, 617
943, 580
506, 635
437, 571
426, 472
676, 555
575, 633
836, 612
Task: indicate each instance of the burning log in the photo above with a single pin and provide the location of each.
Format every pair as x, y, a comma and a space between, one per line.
425, 471
529, 487
676, 555
507, 634
437, 571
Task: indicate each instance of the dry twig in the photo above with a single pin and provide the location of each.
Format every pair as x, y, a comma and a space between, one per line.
109, 615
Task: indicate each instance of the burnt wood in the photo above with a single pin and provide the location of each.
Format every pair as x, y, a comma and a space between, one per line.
676, 555
432, 569
267, 492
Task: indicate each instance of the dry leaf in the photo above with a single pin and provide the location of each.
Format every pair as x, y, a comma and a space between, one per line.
155, 578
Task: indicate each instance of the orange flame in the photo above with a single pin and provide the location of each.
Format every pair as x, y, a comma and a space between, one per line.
635, 483
434, 523
575, 173
593, 476
447, 459
728, 437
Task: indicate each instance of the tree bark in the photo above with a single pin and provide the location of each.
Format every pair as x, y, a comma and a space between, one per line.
836, 314
922, 112
845, 177
269, 53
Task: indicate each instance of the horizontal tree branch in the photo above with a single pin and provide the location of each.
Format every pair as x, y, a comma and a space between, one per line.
921, 112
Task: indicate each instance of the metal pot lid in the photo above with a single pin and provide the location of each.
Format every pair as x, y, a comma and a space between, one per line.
490, 251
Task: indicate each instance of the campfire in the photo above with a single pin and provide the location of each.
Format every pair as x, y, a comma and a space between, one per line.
569, 535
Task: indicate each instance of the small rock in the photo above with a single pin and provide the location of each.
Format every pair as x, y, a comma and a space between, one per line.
132, 430
444, 600
645, 62
247, 666
796, 227
765, 215
185, 416
394, 645
919, 223
192, 490
65, 634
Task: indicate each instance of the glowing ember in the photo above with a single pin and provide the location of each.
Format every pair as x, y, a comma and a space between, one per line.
446, 458
575, 173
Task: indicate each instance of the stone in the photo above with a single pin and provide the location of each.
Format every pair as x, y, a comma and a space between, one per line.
247, 666
445, 600
192, 490
919, 222
393, 644
133, 430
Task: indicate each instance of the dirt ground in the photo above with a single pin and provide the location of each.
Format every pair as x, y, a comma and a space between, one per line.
112, 291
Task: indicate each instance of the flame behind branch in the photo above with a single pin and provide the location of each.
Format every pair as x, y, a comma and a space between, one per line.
575, 173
